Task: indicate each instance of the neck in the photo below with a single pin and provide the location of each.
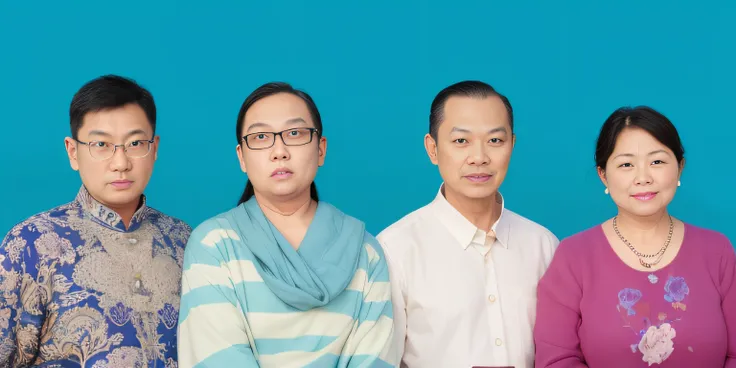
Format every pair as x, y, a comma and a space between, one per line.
299, 207
644, 232
481, 212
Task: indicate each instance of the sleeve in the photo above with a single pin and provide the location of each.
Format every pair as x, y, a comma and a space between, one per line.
558, 314
372, 344
396, 274
553, 243
22, 300
728, 300
213, 331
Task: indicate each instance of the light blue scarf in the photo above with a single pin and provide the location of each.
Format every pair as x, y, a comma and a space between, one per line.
319, 270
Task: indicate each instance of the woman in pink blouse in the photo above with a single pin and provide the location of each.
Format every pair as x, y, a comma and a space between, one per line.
643, 288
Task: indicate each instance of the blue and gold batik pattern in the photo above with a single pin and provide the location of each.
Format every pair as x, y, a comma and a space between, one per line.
80, 289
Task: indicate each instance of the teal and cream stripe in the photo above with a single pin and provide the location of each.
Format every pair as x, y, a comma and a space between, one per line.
230, 318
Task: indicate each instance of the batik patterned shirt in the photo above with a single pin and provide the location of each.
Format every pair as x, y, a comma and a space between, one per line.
80, 289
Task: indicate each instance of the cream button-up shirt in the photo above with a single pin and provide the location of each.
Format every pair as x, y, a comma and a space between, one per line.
463, 297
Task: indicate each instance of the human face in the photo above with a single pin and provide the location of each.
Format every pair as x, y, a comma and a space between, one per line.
473, 146
118, 181
281, 172
642, 174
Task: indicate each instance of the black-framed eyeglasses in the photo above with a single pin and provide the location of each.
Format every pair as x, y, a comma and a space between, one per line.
290, 137
101, 150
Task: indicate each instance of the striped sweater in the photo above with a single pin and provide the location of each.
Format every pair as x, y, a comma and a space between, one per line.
250, 300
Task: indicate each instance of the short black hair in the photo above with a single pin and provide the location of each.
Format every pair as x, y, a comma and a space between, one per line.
642, 117
109, 92
266, 90
468, 88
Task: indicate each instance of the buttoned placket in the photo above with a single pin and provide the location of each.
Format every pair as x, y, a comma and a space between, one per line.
492, 298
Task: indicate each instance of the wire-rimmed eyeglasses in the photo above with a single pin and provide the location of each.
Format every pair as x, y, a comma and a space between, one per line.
101, 150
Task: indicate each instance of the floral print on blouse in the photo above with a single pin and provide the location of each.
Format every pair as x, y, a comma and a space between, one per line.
654, 331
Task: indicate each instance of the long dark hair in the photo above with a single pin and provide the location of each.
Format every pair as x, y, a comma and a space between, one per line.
266, 90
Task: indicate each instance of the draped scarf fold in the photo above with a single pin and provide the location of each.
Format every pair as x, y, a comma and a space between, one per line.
319, 270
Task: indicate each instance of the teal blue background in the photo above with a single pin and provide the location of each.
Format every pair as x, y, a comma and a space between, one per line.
373, 69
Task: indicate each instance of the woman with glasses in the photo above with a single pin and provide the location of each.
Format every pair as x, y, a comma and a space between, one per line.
284, 279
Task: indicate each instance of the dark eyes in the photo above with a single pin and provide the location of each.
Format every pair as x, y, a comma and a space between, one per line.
492, 140
655, 162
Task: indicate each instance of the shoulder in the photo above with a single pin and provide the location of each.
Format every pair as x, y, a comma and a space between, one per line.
710, 242
704, 234
530, 227
210, 239
371, 246
403, 238
43, 229
565, 268
216, 228
376, 264
373, 249
42, 222
169, 225
406, 230
580, 243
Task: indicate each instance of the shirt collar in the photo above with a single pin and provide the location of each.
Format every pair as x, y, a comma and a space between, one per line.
462, 229
107, 216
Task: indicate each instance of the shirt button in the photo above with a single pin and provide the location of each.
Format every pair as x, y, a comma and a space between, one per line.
132, 240
498, 342
491, 298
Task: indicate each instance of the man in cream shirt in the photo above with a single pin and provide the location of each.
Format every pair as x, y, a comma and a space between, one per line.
464, 268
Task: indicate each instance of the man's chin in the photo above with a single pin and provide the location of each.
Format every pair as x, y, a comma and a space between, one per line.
483, 192
472, 192
118, 198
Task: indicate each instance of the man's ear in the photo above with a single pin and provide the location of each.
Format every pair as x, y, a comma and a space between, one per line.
72, 151
156, 141
431, 146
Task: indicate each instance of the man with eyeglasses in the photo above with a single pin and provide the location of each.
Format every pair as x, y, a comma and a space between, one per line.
95, 282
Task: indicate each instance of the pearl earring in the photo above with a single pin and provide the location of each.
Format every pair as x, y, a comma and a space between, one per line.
678, 183
606, 191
